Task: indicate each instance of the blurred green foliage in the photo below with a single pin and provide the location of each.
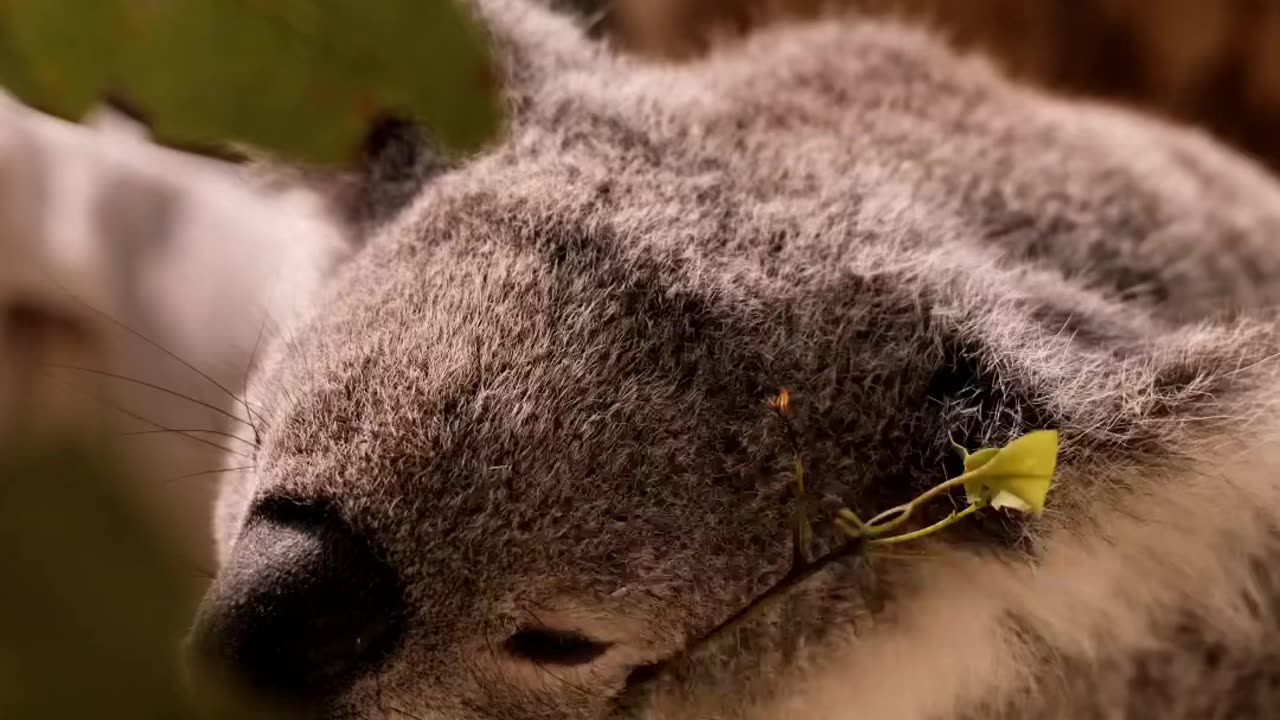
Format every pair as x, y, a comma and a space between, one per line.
300, 79
92, 608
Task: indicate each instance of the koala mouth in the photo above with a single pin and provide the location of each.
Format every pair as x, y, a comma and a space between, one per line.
642, 680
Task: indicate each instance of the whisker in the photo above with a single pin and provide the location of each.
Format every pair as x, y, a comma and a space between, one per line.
196, 438
248, 368
219, 433
295, 348
207, 473
152, 386
253, 354
154, 344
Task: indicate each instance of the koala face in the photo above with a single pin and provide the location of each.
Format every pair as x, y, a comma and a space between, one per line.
521, 450
562, 483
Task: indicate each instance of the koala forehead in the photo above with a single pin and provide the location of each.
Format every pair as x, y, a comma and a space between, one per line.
514, 397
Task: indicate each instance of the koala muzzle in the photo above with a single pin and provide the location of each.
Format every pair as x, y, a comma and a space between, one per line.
301, 610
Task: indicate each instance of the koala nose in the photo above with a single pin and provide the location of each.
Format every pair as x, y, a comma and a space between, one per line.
302, 609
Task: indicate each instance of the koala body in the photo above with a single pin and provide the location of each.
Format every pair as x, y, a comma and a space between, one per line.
518, 460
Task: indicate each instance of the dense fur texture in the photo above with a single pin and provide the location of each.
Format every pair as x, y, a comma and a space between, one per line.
538, 395
1212, 62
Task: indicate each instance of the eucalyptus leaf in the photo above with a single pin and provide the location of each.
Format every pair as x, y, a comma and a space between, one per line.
301, 79
978, 458
1016, 476
973, 461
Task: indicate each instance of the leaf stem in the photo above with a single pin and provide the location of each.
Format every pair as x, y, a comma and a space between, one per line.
878, 526
917, 534
802, 530
850, 517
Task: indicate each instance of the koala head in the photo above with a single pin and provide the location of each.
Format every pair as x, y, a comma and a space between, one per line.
520, 453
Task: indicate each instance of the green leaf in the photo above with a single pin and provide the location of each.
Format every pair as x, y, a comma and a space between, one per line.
973, 461
301, 79
56, 54
1016, 476
978, 458
95, 605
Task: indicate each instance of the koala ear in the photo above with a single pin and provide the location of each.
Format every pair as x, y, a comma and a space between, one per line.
535, 41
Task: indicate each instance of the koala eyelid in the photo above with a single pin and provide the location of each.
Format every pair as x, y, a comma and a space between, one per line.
554, 647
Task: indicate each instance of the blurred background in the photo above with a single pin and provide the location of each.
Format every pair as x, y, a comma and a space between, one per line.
136, 284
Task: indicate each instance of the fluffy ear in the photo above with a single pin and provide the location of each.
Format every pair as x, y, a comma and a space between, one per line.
536, 40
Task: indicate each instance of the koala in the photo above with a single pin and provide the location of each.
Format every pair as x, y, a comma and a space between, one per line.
517, 461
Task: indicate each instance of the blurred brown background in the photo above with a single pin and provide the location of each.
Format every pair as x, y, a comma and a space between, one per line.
1212, 62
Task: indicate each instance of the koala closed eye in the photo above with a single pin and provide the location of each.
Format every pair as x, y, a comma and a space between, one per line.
554, 647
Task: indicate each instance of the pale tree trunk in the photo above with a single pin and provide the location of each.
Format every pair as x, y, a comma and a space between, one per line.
119, 257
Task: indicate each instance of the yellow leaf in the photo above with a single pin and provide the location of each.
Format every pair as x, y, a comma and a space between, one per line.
1016, 476
978, 458
973, 461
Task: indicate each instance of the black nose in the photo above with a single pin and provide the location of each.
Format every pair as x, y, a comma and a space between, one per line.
302, 609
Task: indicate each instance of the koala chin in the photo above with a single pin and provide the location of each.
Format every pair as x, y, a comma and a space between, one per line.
517, 462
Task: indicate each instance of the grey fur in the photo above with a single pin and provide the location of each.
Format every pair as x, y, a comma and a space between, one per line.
540, 389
